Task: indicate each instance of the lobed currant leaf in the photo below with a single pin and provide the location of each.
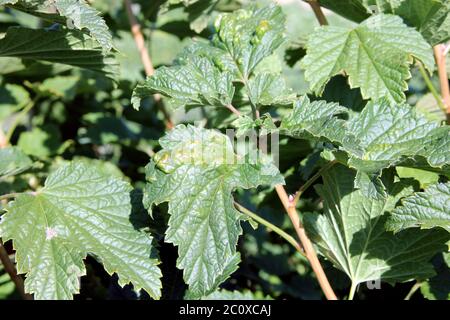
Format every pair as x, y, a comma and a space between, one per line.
375, 55
79, 211
430, 17
196, 172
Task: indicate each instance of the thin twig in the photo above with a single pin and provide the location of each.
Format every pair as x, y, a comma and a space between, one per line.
270, 226
145, 58
11, 270
306, 243
315, 6
431, 87
443, 77
311, 180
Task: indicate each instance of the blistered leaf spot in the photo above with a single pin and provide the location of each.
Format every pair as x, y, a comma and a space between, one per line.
50, 233
262, 28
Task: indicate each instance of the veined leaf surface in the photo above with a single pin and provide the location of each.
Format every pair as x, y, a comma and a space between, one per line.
196, 173
78, 212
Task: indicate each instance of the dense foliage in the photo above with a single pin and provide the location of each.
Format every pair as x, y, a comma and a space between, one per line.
116, 185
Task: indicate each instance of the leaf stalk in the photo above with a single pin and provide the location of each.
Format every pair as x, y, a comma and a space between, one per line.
431, 87
270, 226
315, 6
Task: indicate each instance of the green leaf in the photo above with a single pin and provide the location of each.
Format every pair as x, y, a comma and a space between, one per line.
59, 46
64, 87
267, 89
204, 73
382, 135
425, 178
370, 185
351, 9
350, 233
194, 82
250, 35
430, 17
436, 29
426, 210
40, 142
316, 120
74, 13
438, 287
197, 12
84, 16
13, 161
245, 123
428, 105
12, 98
196, 172
375, 55
387, 133
79, 211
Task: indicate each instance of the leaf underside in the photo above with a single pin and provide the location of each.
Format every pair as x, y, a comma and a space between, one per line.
351, 234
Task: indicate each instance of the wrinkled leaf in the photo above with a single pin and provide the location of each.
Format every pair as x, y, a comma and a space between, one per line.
74, 13
250, 35
197, 82
382, 135
269, 89
375, 55
59, 46
79, 211
350, 233
426, 210
196, 172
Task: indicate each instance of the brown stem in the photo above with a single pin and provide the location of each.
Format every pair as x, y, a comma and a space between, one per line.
439, 54
145, 58
315, 5
11, 270
233, 109
306, 243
